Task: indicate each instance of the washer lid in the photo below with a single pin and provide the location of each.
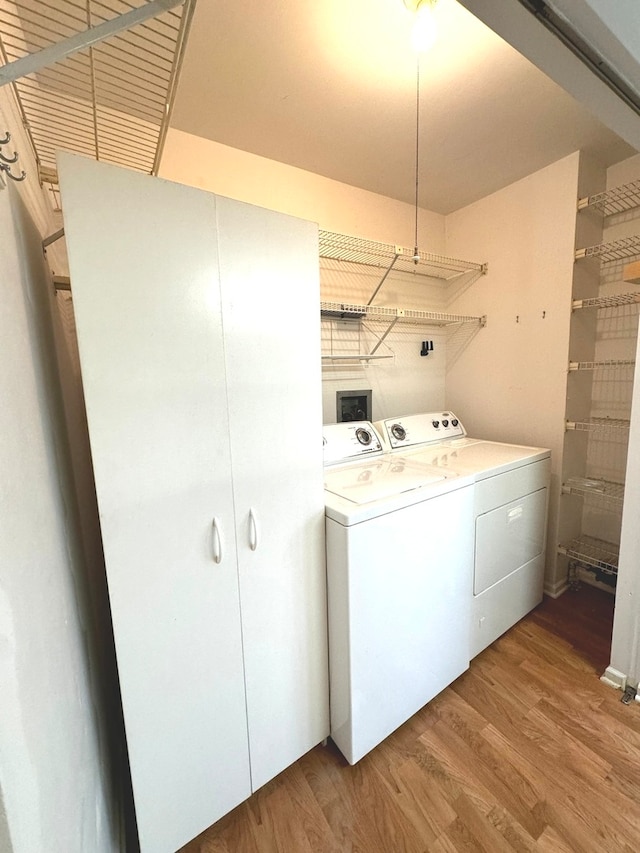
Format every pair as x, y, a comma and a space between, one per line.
378, 478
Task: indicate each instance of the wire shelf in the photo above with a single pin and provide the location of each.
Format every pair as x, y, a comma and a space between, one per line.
607, 301
608, 364
603, 490
616, 200
357, 357
617, 250
599, 424
111, 101
592, 552
344, 310
341, 247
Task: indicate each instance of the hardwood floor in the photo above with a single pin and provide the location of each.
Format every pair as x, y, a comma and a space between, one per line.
528, 750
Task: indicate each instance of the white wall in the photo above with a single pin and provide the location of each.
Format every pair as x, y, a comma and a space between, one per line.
334, 206
55, 785
511, 384
53, 770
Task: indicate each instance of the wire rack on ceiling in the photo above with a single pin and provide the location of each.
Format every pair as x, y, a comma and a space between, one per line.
111, 100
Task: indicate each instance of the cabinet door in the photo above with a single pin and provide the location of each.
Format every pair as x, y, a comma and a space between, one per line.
144, 272
270, 292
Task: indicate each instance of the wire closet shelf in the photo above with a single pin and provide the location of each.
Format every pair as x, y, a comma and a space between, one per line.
594, 553
110, 100
615, 301
346, 311
607, 364
616, 200
609, 253
342, 247
603, 491
604, 425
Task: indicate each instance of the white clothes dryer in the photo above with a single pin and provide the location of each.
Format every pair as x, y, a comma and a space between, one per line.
510, 513
399, 557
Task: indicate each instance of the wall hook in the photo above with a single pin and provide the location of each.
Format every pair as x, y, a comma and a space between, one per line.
427, 347
6, 139
9, 159
7, 170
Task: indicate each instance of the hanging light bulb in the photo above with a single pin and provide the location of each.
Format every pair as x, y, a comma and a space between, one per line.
425, 28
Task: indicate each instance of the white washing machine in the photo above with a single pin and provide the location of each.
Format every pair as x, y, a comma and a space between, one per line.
509, 518
399, 558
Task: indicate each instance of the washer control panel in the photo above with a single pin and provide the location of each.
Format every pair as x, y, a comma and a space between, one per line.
349, 441
411, 430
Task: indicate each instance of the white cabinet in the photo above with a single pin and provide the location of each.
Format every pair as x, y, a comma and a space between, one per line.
211, 507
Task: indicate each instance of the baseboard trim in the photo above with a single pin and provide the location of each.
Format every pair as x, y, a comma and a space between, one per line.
555, 590
614, 678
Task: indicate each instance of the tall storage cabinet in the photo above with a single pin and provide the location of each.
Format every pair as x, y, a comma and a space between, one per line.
211, 507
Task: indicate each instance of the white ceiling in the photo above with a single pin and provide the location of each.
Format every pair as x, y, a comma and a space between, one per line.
330, 86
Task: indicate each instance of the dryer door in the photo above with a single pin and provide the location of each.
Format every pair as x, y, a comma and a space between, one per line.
508, 537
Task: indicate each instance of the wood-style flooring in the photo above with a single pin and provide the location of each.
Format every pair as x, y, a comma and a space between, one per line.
528, 750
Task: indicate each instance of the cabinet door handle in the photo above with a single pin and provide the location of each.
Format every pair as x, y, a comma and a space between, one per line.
217, 542
253, 531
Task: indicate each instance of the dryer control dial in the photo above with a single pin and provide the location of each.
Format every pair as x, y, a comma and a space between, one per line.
436, 424
445, 423
399, 432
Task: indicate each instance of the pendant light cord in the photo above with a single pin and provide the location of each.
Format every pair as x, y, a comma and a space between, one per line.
416, 256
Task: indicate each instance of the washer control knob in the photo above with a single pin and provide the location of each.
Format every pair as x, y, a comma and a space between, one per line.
363, 436
399, 432
436, 424
445, 423
454, 422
